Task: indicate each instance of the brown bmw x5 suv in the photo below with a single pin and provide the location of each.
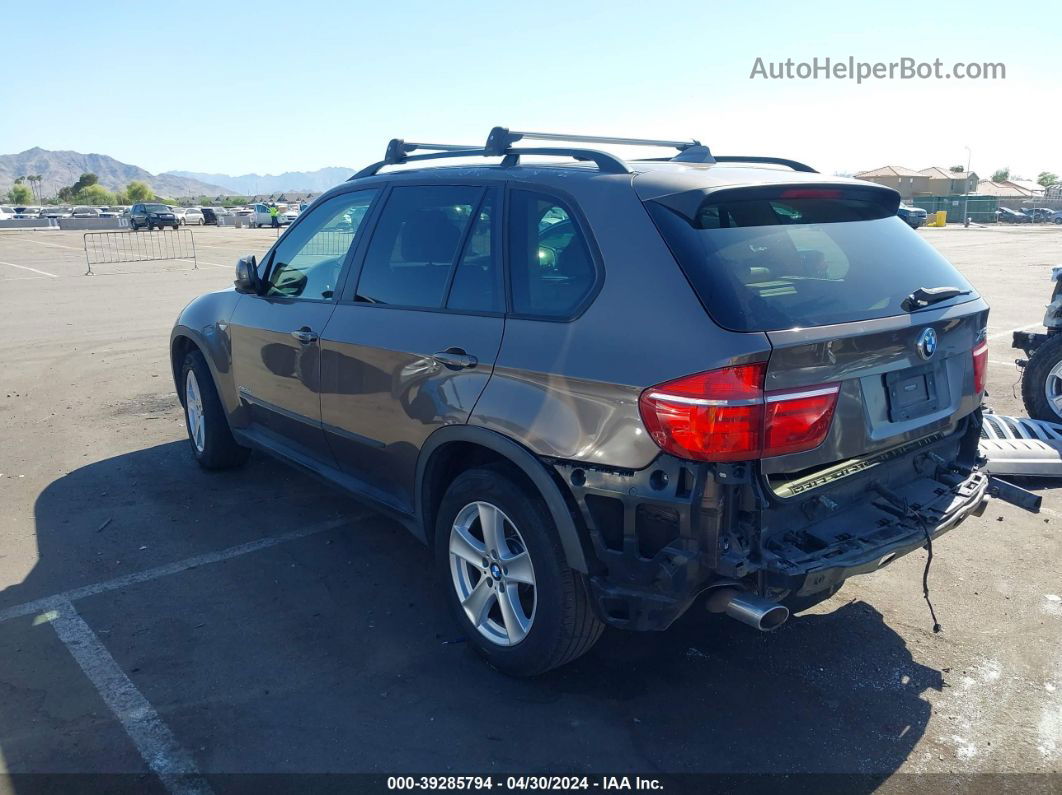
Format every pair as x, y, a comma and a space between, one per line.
604, 390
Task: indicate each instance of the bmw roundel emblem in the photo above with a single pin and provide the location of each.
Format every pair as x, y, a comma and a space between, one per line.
927, 343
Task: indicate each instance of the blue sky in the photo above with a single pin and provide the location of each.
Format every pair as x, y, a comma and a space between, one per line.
267, 87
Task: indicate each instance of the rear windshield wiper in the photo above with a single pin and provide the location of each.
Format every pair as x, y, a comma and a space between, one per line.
924, 296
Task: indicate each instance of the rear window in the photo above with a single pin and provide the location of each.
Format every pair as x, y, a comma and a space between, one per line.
778, 262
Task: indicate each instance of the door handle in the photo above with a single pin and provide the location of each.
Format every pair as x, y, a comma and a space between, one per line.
455, 359
305, 335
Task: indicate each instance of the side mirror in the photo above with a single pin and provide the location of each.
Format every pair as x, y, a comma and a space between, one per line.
247, 280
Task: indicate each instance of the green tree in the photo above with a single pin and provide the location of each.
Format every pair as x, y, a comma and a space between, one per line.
137, 191
94, 194
1047, 179
957, 169
20, 194
1001, 174
84, 181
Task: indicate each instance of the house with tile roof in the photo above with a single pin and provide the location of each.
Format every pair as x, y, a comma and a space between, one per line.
943, 182
907, 181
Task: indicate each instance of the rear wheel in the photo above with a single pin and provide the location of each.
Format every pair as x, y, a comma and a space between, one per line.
506, 577
1041, 381
208, 430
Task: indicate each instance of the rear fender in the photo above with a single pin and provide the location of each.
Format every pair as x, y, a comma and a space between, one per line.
570, 538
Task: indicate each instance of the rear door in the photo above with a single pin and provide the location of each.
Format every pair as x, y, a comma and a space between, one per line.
275, 336
413, 343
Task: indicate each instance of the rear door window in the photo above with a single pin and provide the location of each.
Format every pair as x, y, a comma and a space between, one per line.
551, 269
415, 245
776, 262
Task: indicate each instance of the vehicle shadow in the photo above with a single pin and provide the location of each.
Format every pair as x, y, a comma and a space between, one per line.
290, 660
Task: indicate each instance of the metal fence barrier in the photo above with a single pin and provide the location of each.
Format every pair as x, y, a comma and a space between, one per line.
329, 243
107, 248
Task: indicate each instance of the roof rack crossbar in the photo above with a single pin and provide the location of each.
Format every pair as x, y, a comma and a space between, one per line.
501, 138
777, 161
400, 157
608, 164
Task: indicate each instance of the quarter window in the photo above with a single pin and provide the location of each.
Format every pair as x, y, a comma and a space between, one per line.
308, 261
415, 245
550, 265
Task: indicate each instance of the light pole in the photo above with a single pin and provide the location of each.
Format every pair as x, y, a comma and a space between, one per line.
966, 198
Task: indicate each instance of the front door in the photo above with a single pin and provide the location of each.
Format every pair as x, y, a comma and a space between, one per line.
413, 343
276, 350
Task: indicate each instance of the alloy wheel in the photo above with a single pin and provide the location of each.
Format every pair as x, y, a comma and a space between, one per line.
1053, 388
193, 405
492, 573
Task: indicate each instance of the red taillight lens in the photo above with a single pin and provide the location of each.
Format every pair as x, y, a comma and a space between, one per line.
724, 415
713, 416
796, 421
980, 366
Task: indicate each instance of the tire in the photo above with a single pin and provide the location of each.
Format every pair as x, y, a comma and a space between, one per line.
555, 611
211, 439
1040, 376
175, 227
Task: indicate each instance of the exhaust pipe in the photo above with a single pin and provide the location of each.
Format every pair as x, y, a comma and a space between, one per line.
748, 609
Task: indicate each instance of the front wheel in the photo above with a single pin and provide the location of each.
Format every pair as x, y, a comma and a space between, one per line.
1041, 381
507, 580
208, 430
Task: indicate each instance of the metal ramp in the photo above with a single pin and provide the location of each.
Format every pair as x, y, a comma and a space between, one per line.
1021, 446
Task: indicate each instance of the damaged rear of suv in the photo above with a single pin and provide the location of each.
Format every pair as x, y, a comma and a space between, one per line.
848, 441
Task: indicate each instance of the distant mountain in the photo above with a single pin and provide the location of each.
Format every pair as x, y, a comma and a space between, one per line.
59, 169
250, 184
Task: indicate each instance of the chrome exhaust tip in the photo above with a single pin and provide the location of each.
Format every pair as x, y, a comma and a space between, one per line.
748, 609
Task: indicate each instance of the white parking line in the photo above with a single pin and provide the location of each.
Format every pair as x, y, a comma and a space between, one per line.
42, 605
204, 262
152, 737
53, 245
1008, 333
28, 268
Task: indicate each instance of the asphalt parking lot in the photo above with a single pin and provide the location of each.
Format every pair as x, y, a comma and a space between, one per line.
155, 617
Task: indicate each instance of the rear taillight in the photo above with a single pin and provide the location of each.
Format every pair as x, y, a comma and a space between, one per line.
980, 366
725, 415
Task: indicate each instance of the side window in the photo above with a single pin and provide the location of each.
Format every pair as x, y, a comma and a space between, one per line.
549, 262
415, 245
307, 262
477, 284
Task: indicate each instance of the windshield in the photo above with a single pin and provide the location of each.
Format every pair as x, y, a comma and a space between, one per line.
156, 208
768, 264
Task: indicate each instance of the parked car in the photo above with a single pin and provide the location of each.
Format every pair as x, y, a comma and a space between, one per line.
110, 212
795, 401
1005, 215
55, 212
1056, 217
914, 217
211, 214
192, 216
261, 217
85, 212
7, 213
1039, 214
151, 216
27, 212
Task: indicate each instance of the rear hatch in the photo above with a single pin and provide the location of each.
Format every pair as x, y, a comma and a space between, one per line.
877, 358
831, 276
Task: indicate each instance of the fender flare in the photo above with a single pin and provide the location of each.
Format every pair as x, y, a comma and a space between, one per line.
520, 457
